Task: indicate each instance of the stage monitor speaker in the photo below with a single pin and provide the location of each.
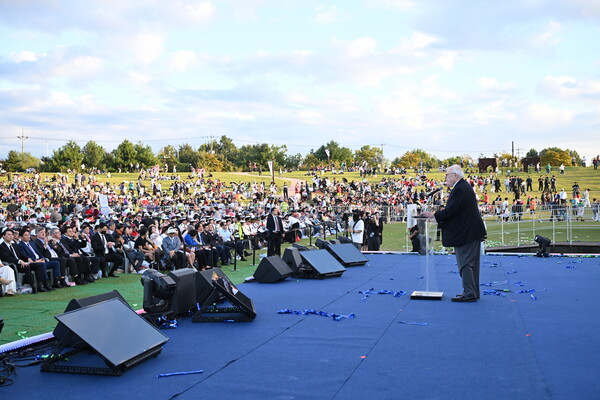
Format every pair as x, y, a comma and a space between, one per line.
75, 304
344, 239
300, 247
225, 302
320, 243
335, 241
184, 298
347, 254
319, 264
204, 284
292, 257
110, 330
272, 269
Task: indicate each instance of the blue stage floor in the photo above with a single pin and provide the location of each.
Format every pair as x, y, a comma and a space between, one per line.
540, 345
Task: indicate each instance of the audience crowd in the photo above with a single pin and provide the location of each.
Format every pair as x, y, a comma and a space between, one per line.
58, 233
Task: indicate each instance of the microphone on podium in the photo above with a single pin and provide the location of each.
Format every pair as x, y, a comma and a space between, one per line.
434, 192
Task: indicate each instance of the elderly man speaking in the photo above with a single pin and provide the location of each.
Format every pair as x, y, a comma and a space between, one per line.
462, 228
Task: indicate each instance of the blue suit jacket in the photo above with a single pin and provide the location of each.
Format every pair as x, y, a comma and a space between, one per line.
26, 252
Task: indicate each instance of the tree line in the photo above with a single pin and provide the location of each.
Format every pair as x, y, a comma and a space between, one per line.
224, 155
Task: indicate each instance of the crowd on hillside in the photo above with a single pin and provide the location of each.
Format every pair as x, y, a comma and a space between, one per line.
200, 221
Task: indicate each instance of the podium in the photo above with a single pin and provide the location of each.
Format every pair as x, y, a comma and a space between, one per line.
427, 235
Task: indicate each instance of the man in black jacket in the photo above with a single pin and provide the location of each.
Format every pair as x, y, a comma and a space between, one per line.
463, 229
42, 247
74, 248
9, 254
103, 244
73, 263
276, 233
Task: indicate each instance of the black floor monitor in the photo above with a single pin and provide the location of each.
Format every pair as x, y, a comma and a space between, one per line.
292, 257
272, 269
60, 330
236, 307
110, 330
184, 298
347, 254
204, 285
319, 264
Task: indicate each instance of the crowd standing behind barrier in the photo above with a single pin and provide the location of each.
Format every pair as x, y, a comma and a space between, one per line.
318, 206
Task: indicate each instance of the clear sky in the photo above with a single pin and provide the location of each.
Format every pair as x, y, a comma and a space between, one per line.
450, 77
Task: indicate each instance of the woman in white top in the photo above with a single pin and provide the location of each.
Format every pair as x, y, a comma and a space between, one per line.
7, 280
357, 228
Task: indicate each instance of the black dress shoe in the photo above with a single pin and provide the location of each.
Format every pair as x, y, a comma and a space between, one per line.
57, 285
247, 253
48, 287
80, 281
63, 283
461, 299
460, 295
41, 289
112, 275
34, 290
243, 259
88, 278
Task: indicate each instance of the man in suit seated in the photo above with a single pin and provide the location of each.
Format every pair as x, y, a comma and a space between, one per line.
10, 254
74, 249
42, 247
103, 244
74, 264
28, 252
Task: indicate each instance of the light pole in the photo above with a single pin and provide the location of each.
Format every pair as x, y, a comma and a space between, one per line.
23, 137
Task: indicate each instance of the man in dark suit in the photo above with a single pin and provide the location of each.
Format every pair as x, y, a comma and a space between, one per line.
10, 255
463, 229
103, 245
74, 247
74, 263
41, 246
275, 228
28, 252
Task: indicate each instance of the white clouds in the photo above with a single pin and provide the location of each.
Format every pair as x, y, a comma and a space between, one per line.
492, 112
266, 69
587, 8
446, 59
199, 12
310, 117
357, 48
327, 14
147, 46
139, 78
398, 4
225, 115
80, 67
548, 36
493, 84
24, 55
569, 88
542, 116
183, 60
403, 108
418, 40
60, 99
